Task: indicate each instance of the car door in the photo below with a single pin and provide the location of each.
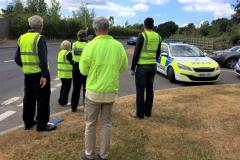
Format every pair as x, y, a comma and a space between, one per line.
161, 65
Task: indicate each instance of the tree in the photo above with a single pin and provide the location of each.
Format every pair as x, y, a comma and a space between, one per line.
126, 24
54, 10
84, 16
236, 16
204, 29
42, 7
32, 6
18, 7
36, 7
167, 29
111, 20
9, 10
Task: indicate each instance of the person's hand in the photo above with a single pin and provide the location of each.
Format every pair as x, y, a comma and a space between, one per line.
43, 82
132, 72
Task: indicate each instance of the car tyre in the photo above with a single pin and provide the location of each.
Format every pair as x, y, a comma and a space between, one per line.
171, 75
231, 62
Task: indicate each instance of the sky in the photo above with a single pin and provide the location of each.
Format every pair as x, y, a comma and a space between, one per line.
181, 12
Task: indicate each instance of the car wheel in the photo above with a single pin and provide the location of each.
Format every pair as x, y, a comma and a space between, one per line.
171, 75
231, 62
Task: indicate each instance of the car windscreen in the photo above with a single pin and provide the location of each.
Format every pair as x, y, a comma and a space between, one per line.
185, 51
234, 49
133, 38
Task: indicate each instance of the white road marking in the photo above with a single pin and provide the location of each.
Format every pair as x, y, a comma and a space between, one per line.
56, 79
53, 89
20, 105
6, 115
9, 101
58, 85
8, 61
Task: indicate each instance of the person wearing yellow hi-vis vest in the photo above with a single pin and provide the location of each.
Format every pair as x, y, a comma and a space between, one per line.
146, 53
64, 71
79, 80
31, 55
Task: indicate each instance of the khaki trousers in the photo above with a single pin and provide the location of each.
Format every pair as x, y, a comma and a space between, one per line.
91, 111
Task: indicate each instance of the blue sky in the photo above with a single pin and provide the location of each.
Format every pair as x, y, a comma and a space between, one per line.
134, 11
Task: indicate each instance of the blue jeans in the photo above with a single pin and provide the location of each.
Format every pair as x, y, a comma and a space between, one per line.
144, 79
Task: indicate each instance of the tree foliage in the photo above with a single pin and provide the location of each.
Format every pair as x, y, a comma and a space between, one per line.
167, 29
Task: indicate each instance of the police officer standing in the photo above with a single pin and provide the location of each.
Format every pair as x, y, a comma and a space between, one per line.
79, 80
31, 55
146, 52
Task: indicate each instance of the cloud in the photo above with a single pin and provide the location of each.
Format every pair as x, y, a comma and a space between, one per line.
218, 8
140, 7
114, 8
157, 2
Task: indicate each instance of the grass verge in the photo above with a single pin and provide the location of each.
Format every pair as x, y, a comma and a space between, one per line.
198, 123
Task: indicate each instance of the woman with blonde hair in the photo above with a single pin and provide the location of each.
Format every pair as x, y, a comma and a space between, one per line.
64, 66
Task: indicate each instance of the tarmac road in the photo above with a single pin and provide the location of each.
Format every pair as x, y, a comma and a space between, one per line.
11, 85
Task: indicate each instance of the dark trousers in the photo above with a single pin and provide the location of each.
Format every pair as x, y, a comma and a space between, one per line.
144, 78
79, 80
64, 91
33, 94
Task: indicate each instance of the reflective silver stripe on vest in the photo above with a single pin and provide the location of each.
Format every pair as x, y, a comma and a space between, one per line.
65, 63
35, 44
34, 53
30, 63
148, 58
28, 53
77, 51
64, 70
64, 60
145, 44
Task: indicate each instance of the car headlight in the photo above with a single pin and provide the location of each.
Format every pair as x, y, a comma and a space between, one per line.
217, 68
183, 67
218, 55
239, 62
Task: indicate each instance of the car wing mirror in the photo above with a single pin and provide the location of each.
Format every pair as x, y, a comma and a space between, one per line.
205, 54
164, 54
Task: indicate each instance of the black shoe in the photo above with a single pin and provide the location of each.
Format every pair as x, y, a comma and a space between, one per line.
134, 115
99, 157
74, 109
148, 116
83, 156
47, 128
30, 125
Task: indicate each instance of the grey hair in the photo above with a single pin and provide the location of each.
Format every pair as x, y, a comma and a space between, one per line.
35, 22
101, 23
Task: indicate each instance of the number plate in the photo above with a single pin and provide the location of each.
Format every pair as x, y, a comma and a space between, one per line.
205, 74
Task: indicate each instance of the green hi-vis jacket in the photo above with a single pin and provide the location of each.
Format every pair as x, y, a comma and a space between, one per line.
28, 44
149, 49
77, 49
102, 60
64, 67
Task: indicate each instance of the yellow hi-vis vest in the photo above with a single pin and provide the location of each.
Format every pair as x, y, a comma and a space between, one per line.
149, 49
77, 49
63, 65
28, 44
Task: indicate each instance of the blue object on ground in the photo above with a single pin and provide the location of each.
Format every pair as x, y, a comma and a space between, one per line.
55, 121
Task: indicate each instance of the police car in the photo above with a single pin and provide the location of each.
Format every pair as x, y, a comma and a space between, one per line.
187, 63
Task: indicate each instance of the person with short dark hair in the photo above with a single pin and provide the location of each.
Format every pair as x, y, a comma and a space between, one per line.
146, 53
79, 80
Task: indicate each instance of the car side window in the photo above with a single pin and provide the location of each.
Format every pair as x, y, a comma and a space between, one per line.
164, 49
